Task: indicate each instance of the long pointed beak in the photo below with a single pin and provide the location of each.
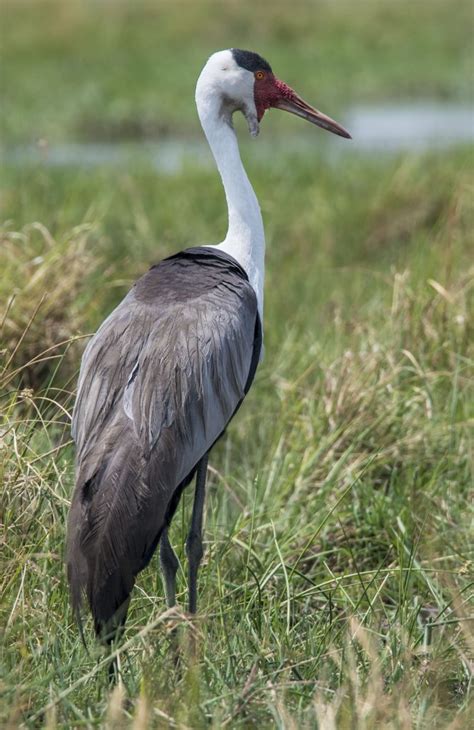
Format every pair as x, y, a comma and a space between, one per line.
294, 104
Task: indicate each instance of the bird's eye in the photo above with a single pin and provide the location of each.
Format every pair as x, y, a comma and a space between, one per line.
260, 75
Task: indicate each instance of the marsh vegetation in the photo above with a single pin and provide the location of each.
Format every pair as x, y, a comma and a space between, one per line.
336, 590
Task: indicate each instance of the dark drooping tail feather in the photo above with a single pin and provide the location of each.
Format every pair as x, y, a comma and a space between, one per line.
107, 538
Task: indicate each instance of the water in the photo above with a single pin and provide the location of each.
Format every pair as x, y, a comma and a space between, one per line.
411, 127
167, 156
390, 128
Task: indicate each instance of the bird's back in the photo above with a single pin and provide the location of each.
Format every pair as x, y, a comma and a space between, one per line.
159, 382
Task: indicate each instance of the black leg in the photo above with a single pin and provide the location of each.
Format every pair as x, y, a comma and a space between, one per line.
112, 635
194, 549
169, 566
113, 672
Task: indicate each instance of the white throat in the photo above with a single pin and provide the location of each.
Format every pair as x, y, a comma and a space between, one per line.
245, 239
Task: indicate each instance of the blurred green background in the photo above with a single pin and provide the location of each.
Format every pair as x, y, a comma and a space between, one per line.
117, 69
340, 496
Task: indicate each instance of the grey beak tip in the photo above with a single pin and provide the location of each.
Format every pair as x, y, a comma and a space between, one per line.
344, 133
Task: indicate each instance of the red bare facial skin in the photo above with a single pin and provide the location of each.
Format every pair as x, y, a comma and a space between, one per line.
267, 92
271, 92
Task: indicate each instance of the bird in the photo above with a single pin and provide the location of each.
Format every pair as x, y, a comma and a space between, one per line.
169, 368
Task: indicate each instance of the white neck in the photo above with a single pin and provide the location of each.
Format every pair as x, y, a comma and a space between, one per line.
245, 239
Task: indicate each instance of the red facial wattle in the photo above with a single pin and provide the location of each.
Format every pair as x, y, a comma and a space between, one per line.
271, 92
266, 93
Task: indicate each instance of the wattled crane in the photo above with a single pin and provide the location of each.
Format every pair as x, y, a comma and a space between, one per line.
169, 368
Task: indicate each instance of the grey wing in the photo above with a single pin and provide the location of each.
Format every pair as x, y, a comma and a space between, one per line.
185, 391
159, 382
180, 372
106, 365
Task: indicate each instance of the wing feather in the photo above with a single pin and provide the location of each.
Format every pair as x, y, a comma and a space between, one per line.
159, 383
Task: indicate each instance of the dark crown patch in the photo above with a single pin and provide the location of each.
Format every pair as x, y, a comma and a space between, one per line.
250, 61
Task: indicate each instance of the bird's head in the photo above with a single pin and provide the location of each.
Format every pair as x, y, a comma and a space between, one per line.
243, 81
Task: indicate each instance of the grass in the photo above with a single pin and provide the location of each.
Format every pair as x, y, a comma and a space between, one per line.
338, 572
94, 70
337, 585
